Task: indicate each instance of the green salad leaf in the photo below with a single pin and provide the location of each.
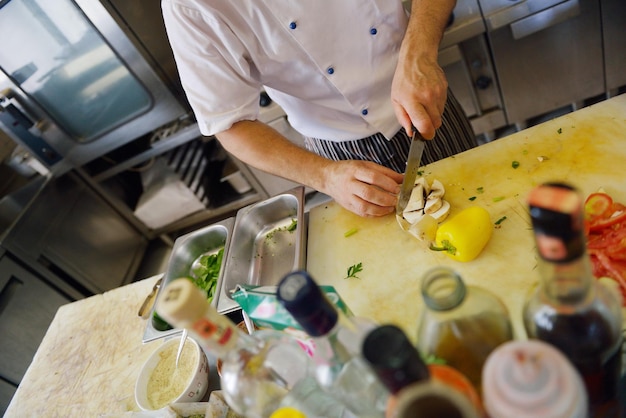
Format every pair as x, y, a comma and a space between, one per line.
206, 271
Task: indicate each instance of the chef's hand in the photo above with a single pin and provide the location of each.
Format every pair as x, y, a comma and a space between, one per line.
363, 187
418, 94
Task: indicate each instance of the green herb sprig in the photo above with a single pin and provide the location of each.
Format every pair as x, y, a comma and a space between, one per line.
353, 270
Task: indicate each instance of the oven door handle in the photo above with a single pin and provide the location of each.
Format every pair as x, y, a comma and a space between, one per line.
517, 11
9, 103
545, 19
14, 118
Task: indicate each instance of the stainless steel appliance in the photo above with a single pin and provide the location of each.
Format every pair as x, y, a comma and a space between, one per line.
465, 58
614, 33
27, 306
73, 84
547, 54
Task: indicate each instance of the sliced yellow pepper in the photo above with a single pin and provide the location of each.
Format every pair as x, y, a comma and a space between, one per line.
464, 235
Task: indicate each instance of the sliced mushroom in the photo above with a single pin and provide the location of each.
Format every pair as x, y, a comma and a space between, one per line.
443, 212
425, 229
424, 183
416, 200
425, 210
436, 190
413, 216
433, 205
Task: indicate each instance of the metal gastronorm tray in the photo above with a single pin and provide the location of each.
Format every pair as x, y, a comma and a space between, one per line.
262, 249
188, 248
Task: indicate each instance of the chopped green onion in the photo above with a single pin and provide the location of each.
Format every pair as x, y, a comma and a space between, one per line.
350, 232
499, 221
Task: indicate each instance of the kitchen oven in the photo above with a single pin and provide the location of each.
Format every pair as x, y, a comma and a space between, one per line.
74, 85
547, 54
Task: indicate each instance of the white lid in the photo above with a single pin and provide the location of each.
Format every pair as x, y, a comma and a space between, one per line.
532, 379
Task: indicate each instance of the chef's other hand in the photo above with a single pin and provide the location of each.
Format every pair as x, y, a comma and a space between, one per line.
418, 93
363, 187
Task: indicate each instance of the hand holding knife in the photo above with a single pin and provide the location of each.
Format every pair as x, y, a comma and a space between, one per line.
412, 167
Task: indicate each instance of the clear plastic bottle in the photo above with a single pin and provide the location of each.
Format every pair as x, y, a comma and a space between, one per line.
532, 379
461, 324
260, 373
339, 367
570, 309
400, 367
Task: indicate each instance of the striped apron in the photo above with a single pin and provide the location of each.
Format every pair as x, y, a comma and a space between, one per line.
455, 135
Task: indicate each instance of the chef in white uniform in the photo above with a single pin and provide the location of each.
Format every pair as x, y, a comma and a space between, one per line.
353, 77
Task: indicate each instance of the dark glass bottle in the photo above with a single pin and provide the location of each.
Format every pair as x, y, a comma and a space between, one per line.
570, 308
339, 366
417, 389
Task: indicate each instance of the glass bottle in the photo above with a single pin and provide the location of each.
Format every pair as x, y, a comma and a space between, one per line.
260, 373
461, 324
339, 367
399, 366
570, 309
532, 379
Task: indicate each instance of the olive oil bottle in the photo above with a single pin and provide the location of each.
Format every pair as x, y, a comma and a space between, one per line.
570, 309
461, 324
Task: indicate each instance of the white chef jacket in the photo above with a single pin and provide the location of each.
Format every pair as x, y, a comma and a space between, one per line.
328, 63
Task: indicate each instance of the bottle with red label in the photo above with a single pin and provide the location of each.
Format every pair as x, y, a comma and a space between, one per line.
260, 373
570, 309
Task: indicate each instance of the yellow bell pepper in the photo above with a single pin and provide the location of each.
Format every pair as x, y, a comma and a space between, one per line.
465, 235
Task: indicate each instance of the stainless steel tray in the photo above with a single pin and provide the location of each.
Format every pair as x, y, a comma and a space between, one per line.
263, 248
187, 249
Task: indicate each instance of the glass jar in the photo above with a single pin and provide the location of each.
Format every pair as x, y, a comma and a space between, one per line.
461, 324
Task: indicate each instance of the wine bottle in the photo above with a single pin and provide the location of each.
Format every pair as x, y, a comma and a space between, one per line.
570, 309
412, 383
339, 367
261, 372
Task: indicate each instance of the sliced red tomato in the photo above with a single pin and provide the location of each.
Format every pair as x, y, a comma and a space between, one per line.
605, 227
598, 205
617, 216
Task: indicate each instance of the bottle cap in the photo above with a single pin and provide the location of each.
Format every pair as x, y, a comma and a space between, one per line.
394, 359
181, 303
304, 300
556, 212
532, 379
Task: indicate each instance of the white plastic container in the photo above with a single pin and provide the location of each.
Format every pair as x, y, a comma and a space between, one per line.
192, 383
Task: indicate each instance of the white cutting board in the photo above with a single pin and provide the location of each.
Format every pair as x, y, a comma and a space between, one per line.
586, 148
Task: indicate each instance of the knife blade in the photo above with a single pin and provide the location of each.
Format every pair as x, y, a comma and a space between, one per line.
412, 167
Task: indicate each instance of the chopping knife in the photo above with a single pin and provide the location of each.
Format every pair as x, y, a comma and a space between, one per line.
410, 174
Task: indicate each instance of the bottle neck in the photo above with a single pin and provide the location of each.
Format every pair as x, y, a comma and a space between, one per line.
443, 289
344, 338
569, 282
220, 335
